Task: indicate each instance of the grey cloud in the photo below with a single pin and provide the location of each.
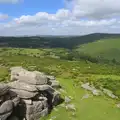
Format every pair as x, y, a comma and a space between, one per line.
97, 9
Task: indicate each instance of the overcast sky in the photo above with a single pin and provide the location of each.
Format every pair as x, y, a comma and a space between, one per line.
59, 17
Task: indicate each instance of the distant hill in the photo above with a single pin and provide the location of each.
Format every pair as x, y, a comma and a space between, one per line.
68, 42
104, 48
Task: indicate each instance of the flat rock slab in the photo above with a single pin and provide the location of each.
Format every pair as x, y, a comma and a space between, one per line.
24, 94
45, 87
34, 79
22, 86
16, 68
16, 71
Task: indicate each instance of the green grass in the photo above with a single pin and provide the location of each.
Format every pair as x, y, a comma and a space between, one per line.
52, 52
106, 48
4, 74
70, 74
62, 67
92, 108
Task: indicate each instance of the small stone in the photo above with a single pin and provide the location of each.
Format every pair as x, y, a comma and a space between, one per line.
53, 118
118, 105
96, 92
71, 107
50, 77
87, 86
73, 114
67, 99
85, 96
62, 90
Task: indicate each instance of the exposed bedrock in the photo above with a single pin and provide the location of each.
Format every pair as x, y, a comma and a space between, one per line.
28, 96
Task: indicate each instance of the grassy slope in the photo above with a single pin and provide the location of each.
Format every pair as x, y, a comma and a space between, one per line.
106, 48
93, 108
67, 72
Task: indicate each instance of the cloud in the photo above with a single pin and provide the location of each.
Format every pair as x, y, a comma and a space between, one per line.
60, 23
44, 18
97, 9
81, 17
3, 16
9, 1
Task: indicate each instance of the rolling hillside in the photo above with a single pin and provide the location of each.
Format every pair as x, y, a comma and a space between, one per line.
71, 74
104, 48
68, 42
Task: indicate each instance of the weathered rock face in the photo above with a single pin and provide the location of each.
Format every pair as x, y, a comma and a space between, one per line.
29, 95
7, 101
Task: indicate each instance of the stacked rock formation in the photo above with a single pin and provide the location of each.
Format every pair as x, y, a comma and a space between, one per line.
8, 101
34, 93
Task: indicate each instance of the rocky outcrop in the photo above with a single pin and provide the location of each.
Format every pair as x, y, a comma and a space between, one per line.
29, 96
8, 101
97, 92
93, 90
